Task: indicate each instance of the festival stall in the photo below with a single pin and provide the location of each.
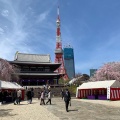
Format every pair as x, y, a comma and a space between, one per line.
10, 87
102, 90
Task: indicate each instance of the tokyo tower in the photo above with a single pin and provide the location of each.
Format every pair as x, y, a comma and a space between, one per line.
59, 50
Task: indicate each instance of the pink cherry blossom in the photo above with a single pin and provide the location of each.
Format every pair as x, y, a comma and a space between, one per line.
5, 70
109, 71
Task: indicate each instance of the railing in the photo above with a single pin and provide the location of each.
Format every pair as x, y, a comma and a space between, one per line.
36, 72
42, 86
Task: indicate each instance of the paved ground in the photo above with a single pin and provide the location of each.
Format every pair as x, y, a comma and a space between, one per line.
26, 111
79, 110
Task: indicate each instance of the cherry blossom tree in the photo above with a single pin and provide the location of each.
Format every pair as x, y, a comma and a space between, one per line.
6, 71
14, 76
109, 71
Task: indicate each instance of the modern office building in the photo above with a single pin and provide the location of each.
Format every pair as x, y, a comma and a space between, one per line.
69, 61
92, 72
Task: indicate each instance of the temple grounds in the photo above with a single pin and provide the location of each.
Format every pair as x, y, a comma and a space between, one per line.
79, 110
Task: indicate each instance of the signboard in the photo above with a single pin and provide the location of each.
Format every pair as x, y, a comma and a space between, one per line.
108, 93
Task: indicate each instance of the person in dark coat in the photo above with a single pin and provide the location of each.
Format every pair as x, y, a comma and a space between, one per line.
1, 96
15, 97
32, 94
49, 98
62, 94
67, 98
29, 96
5, 94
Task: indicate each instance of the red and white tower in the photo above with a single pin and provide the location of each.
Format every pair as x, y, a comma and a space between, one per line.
59, 50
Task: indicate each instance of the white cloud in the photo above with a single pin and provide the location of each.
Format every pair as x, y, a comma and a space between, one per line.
14, 36
21, 32
5, 13
42, 16
1, 31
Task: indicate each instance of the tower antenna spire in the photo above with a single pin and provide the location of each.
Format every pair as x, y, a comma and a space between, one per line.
58, 11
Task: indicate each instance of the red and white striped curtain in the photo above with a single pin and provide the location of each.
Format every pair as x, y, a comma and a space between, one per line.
114, 93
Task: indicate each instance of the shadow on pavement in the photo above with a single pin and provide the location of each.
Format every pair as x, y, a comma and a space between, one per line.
34, 102
6, 112
73, 110
51, 104
22, 104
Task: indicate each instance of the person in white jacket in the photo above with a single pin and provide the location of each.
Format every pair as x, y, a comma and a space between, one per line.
18, 96
42, 98
49, 97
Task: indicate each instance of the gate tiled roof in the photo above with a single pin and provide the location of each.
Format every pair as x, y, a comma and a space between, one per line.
45, 58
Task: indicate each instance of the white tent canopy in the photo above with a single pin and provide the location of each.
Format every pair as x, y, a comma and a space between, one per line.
100, 84
9, 85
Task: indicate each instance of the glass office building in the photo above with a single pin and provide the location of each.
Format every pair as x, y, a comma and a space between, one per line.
92, 72
69, 61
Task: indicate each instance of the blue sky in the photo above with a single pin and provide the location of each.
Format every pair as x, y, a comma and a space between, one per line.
91, 27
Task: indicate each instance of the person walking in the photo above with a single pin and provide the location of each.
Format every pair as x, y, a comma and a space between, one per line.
15, 96
32, 94
67, 98
18, 96
39, 94
5, 94
42, 98
29, 96
62, 94
1, 97
49, 97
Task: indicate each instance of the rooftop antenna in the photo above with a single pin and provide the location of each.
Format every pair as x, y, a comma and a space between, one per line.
58, 12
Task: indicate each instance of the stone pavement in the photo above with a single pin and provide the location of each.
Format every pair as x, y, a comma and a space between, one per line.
85, 110
25, 111
79, 110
